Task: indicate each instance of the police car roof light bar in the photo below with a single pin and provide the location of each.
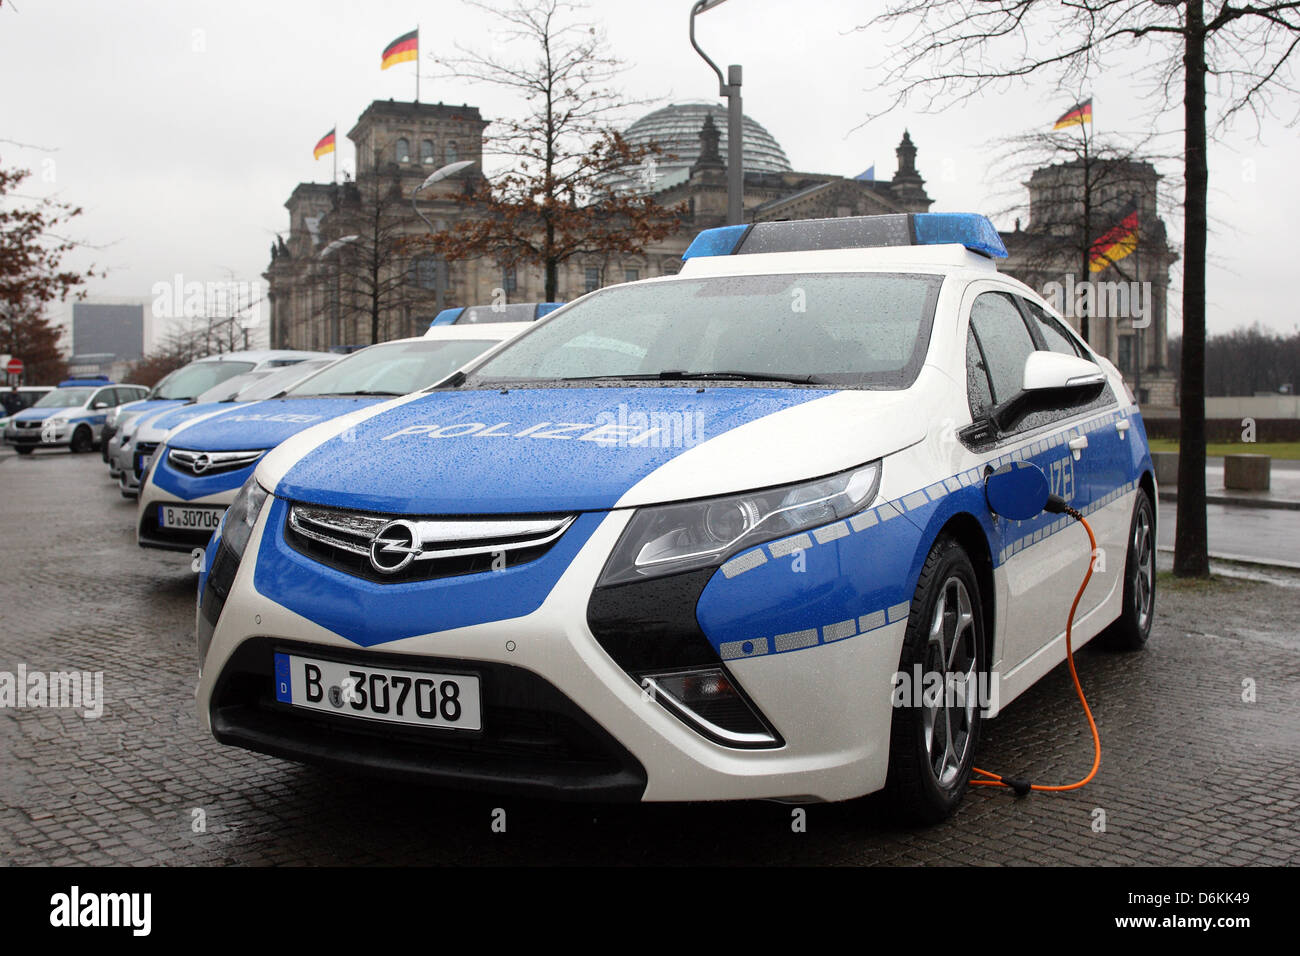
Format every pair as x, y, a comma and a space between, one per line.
971, 230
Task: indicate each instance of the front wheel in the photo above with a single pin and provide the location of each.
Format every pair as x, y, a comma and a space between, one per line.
82, 441
23, 449
936, 725
1131, 629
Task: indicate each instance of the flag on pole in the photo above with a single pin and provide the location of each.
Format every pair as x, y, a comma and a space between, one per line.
402, 50
868, 175
326, 145
1076, 115
1117, 243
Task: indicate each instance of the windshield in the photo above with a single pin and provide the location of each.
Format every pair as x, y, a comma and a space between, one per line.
197, 377
277, 380
227, 390
394, 368
66, 398
866, 330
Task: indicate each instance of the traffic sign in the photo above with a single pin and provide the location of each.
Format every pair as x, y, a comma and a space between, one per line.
15, 366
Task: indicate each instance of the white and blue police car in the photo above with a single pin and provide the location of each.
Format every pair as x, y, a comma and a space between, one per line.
142, 436
193, 474
70, 416
687, 538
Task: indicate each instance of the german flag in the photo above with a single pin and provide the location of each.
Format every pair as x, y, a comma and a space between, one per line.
1076, 115
1117, 243
403, 49
326, 145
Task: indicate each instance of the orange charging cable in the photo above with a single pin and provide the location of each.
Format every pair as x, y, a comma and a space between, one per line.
1022, 787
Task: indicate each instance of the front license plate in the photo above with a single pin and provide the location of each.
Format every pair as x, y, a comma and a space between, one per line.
189, 519
402, 697
142, 463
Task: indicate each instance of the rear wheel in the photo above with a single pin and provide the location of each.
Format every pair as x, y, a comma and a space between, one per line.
936, 726
82, 440
1131, 629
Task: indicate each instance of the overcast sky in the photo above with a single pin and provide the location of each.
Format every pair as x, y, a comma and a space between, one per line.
182, 126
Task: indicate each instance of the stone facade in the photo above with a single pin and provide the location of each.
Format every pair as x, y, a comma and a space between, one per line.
399, 144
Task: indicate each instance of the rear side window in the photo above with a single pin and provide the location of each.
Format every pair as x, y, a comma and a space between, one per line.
1004, 342
1055, 338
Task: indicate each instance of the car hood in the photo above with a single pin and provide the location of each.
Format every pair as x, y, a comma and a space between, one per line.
155, 427
42, 414
584, 449
265, 424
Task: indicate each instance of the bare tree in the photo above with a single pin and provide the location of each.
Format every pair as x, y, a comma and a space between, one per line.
363, 274
955, 49
555, 201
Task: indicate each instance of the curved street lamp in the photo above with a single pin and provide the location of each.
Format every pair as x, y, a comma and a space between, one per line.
437, 176
730, 88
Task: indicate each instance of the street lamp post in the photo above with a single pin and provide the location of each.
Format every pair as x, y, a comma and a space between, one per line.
331, 249
729, 87
437, 176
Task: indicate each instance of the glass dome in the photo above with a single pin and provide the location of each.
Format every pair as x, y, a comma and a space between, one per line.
676, 130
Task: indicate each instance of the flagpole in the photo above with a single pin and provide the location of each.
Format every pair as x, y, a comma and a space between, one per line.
417, 64
336, 152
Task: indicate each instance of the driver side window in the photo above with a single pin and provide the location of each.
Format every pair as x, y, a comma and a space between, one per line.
1004, 342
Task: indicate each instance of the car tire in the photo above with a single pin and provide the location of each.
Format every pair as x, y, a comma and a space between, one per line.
82, 441
1129, 632
932, 749
22, 450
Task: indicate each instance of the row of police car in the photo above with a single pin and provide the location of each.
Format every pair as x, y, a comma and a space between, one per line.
687, 538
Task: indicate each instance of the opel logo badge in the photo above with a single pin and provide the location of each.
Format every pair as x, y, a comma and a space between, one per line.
394, 547
201, 464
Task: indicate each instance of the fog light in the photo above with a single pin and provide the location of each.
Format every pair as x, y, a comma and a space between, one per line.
710, 702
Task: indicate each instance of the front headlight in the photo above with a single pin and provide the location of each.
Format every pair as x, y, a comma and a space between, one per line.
237, 523
667, 539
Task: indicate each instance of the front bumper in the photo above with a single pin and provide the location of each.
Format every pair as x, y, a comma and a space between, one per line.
830, 707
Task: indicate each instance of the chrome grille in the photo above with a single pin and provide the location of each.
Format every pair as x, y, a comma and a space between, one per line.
398, 548
210, 462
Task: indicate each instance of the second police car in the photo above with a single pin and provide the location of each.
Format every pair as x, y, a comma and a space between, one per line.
690, 538
191, 476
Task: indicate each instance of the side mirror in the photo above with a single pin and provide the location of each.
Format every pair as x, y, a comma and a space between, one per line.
1052, 370
96, 406
1018, 490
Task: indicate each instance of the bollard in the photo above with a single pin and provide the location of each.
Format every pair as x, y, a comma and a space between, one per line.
1246, 472
1166, 467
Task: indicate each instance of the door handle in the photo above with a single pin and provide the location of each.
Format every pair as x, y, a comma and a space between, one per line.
1077, 445
1122, 426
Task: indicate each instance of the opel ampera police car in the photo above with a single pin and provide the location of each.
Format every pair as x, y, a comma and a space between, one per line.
682, 538
194, 475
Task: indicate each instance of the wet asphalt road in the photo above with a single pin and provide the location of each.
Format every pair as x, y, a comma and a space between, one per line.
1191, 772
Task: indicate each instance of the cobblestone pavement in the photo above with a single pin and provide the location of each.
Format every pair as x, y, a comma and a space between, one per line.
1190, 774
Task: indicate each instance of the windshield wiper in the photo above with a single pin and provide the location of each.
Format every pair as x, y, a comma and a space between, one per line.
678, 375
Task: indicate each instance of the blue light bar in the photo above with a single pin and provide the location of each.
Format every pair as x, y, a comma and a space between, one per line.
971, 230
546, 308
447, 317
721, 241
